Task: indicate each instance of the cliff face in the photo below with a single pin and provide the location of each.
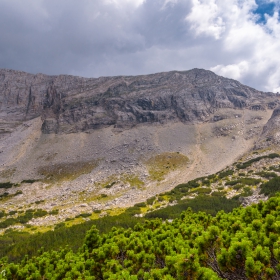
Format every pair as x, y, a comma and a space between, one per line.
270, 136
69, 104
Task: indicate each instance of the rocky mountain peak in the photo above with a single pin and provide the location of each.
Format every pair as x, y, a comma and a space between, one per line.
69, 104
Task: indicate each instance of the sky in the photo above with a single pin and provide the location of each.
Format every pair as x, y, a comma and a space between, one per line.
239, 39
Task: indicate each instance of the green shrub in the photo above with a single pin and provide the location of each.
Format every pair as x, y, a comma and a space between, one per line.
141, 204
209, 204
267, 175
40, 213
83, 215
226, 173
133, 211
5, 194
8, 222
222, 193
29, 181
23, 219
249, 162
6, 185
39, 201
238, 187
232, 183
271, 187
246, 192
150, 200
54, 212
202, 191
59, 226
245, 181
110, 185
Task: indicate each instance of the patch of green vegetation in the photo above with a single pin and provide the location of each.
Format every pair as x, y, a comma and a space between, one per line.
110, 185
245, 181
271, 187
40, 213
23, 218
226, 173
6, 185
222, 193
29, 181
83, 215
2, 214
182, 189
151, 200
140, 204
39, 201
266, 174
133, 180
246, 192
160, 165
238, 187
54, 212
6, 195
275, 168
201, 190
66, 171
209, 204
60, 225
249, 162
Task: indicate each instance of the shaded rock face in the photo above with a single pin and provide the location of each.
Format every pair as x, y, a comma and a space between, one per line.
69, 104
271, 131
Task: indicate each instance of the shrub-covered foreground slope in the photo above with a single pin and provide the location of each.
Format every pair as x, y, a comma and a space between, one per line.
242, 244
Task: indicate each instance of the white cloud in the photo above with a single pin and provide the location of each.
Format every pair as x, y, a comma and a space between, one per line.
250, 50
135, 3
205, 18
235, 71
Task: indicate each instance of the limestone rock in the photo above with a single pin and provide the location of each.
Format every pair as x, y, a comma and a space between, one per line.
69, 104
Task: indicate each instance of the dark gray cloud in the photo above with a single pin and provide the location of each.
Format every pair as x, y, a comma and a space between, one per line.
119, 37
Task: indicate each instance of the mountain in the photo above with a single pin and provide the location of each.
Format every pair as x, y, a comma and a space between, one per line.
81, 144
68, 104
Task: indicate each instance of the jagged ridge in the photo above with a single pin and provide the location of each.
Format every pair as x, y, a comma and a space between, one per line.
72, 104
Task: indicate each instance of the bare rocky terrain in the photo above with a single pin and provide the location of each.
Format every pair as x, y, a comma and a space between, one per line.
79, 145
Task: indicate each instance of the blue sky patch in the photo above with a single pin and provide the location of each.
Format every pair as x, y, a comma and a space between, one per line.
264, 8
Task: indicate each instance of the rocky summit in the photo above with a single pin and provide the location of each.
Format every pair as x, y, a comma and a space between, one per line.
68, 104
81, 144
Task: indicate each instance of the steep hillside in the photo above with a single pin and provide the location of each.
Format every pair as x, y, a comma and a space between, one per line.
75, 145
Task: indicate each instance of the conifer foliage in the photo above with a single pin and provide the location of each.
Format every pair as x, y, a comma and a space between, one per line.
242, 244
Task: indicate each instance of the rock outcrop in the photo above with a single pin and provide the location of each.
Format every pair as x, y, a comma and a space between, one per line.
69, 104
271, 132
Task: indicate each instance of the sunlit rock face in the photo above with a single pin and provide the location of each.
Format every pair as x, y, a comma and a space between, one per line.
70, 104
